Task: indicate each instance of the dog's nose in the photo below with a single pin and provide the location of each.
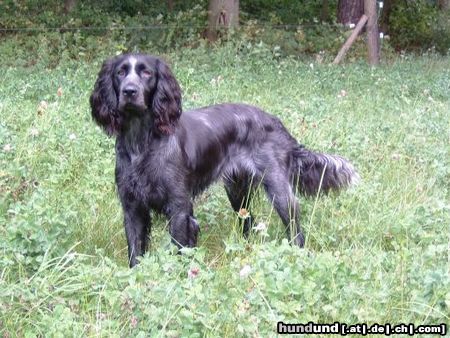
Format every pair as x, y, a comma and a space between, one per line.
129, 91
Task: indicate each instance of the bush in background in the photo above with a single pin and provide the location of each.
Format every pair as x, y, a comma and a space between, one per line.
289, 28
419, 25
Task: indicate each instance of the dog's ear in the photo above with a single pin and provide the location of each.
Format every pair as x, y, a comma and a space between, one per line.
166, 105
104, 100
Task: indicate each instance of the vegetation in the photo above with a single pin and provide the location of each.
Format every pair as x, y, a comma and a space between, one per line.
376, 253
40, 29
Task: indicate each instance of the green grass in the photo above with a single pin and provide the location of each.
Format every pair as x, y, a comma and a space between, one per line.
376, 253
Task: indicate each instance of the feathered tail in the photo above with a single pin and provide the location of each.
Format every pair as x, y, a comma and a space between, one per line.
314, 171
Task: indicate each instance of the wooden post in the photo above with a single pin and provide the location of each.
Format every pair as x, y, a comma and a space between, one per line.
370, 9
350, 39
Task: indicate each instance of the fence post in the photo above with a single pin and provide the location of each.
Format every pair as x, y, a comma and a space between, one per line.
370, 9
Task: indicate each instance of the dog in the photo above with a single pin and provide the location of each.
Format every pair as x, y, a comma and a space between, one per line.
165, 157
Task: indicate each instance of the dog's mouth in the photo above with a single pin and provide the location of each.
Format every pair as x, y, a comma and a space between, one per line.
132, 107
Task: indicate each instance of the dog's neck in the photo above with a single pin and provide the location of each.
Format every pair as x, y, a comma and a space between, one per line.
138, 133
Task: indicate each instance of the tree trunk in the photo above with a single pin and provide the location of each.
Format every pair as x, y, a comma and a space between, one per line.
69, 5
222, 14
373, 45
350, 11
444, 5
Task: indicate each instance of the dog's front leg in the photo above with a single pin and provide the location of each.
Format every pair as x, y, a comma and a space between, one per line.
137, 224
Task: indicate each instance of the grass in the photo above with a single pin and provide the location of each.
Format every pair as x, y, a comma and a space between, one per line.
377, 253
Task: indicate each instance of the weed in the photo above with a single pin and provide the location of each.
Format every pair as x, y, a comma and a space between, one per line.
377, 253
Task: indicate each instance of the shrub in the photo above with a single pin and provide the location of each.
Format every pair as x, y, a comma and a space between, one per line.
418, 25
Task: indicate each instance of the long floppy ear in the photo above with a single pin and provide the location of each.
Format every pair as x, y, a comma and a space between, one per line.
104, 100
166, 105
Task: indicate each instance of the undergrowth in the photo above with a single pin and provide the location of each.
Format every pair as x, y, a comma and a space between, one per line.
376, 253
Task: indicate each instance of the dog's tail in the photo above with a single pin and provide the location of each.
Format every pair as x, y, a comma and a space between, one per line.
315, 172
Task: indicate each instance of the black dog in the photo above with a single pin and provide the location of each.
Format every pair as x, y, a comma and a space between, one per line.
165, 158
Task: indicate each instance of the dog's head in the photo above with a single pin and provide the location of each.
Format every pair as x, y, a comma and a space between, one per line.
131, 85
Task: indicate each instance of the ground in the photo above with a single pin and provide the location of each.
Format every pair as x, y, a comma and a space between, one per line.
376, 253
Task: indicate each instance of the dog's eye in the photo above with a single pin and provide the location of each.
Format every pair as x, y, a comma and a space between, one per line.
121, 72
146, 73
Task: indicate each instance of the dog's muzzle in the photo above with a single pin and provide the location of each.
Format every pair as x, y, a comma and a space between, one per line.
129, 92
132, 98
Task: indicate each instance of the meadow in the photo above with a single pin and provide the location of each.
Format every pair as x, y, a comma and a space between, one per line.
377, 253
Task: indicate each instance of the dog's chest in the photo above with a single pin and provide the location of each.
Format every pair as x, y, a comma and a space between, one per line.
141, 175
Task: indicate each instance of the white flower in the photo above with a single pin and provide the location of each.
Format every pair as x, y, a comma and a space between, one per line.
34, 132
245, 271
43, 105
342, 93
72, 136
260, 227
216, 81
7, 148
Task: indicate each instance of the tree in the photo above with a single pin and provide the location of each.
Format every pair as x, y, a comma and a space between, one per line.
444, 5
350, 11
69, 5
222, 14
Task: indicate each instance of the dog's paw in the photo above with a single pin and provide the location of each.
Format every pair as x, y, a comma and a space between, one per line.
193, 231
184, 231
299, 240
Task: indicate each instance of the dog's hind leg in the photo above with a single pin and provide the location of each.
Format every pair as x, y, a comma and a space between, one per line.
280, 193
